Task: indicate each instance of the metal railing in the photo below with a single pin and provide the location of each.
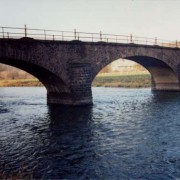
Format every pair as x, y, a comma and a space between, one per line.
43, 34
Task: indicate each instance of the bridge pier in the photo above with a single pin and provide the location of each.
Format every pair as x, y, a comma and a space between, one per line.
79, 87
80, 76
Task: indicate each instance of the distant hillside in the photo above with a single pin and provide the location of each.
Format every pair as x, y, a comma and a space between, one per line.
9, 72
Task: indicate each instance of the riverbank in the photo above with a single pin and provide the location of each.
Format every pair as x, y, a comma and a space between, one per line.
20, 83
133, 80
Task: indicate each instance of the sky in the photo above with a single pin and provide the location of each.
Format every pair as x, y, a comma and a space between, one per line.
147, 18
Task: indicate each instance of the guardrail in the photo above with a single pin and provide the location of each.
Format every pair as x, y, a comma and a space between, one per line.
43, 34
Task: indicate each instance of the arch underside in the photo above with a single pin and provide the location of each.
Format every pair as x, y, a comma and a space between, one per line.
162, 76
57, 90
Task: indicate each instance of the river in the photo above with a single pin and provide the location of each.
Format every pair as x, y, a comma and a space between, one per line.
126, 134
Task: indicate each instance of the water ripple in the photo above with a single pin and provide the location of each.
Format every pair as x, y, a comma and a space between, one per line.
126, 134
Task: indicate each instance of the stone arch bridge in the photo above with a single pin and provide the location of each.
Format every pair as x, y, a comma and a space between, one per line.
67, 68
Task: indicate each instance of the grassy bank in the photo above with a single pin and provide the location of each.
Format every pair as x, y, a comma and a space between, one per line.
20, 82
133, 80
136, 80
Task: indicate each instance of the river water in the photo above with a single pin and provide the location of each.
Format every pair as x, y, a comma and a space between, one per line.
126, 134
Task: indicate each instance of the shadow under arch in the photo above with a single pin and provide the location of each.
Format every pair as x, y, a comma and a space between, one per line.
163, 76
54, 85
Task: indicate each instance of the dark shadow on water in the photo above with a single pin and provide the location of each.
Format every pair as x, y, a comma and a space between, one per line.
69, 143
64, 118
165, 96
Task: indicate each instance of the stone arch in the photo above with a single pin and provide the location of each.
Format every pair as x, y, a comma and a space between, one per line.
163, 77
57, 89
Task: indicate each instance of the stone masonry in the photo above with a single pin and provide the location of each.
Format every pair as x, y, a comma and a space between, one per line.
67, 69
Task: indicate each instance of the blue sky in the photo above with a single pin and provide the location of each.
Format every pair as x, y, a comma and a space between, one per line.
149, 18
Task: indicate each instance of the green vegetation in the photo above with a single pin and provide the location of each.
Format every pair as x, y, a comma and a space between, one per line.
20, 82
105, 80
133, 80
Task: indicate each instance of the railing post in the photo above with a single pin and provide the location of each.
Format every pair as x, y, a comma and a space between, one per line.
3, 32
75, 34
176, 43
155, 40
45, 34
94, 37
25, 30
131, 40
100, 36
78, 36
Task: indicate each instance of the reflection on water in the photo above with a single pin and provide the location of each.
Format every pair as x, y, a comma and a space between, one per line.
126, 134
